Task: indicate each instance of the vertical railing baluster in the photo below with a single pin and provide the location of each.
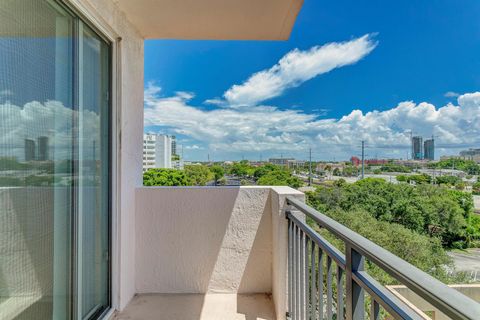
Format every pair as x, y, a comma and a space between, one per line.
290, 268
355, 293
313, 288
302, 275
329, 289
307, 282
374, 310
297, 255
339, 293
320, 283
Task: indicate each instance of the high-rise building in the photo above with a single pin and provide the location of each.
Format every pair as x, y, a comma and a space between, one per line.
174, 145
429, 149
417, 148
42, 148
157, 151
29, 150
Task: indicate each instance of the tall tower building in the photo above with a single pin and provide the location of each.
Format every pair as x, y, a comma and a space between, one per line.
29, 150
417, 148
174, 145
42, 148
429, 149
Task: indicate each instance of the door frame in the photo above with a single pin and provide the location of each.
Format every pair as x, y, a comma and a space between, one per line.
89, 16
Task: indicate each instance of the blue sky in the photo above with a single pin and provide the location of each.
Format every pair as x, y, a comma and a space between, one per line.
414, 65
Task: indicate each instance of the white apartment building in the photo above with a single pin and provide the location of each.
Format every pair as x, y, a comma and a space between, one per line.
157, 151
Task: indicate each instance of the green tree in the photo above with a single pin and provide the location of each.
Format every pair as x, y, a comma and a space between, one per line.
241, 169
448, 180
425, 209
391, 167
468, 166
423, 251
218, 172
198, 175
279, 178
265, 169
476, 188
165, 177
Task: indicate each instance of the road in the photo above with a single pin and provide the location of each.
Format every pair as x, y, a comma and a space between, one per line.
476, 203
467, 261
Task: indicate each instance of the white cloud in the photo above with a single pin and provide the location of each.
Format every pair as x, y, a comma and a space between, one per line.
193, 147
6, 93
296, 67
267, 128
51, 119
451, 94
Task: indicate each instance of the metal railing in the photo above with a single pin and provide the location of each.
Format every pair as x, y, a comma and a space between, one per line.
324, 283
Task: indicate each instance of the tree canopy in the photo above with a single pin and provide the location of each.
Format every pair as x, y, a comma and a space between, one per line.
430, 210
218, 172
468, 166
199, 175
165, 177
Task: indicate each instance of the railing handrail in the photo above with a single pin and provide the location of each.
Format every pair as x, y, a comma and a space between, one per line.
448, 300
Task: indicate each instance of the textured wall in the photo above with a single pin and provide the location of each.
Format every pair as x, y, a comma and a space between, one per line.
198, 240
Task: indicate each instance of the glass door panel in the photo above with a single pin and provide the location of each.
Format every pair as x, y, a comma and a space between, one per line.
54, 164
36, 123
93, 170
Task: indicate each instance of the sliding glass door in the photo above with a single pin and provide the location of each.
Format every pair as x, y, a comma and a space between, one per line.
93, 173
54, 163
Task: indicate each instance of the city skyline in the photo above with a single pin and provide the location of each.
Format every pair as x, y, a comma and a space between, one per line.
333, 84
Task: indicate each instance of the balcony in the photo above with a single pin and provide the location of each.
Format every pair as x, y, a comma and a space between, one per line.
247, 253
80, 238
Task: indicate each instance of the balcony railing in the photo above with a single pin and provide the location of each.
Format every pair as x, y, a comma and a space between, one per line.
344, 294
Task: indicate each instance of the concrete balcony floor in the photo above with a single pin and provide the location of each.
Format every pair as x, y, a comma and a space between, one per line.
199, 307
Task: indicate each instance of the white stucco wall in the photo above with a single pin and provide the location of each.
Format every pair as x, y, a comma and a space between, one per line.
199, 240
212, 240
129, 136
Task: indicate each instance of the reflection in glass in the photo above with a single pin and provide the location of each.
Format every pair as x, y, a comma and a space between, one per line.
54, 164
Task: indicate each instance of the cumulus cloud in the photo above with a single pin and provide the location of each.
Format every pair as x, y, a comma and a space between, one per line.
50, 119
296, 67
451, 94
268, 128
6, 92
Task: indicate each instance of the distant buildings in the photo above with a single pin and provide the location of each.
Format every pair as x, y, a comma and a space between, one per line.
157, 151
280, 161
471, 154
356, 161
417, 148
30, 150
423, 150
287, 162
429, 149
36, 151
42, 148
174, 145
